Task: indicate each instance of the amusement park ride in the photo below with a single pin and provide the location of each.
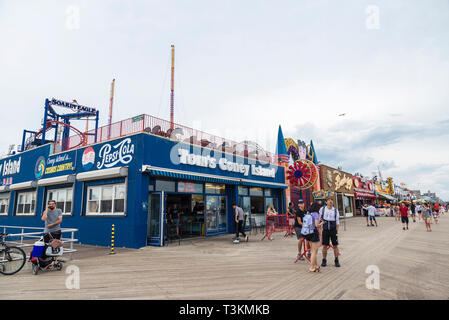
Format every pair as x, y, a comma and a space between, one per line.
61, 123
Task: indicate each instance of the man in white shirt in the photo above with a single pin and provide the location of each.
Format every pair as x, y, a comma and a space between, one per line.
371, 214
331, 218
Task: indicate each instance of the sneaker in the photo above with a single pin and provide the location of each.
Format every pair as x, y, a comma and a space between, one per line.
337, 263
246, 238
236, 241
323, 263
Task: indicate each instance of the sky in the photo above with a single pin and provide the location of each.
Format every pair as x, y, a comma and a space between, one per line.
242, 68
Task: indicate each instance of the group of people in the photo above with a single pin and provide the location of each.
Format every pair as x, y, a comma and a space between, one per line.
317, 226
424, 211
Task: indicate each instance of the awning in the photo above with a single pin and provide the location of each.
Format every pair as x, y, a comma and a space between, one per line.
387, 196
184, 175
69, 178
23, 185
364, 195
118, 172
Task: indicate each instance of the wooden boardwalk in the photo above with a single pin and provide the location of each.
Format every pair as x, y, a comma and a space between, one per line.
413, 264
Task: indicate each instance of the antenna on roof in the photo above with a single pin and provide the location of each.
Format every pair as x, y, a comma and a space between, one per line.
172, 88
110, 108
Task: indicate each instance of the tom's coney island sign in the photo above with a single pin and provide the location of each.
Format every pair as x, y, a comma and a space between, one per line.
206, 161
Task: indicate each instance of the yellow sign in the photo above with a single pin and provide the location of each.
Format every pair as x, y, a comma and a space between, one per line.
59, 168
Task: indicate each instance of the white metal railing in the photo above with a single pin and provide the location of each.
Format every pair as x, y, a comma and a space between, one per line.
37, 234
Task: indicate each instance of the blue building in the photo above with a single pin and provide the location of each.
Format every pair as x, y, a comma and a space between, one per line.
138, 182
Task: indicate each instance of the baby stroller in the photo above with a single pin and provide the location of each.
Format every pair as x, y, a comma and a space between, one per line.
44, 255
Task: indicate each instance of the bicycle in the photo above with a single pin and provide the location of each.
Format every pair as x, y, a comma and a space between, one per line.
12, 259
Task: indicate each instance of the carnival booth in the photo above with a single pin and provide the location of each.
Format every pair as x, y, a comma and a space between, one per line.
363, 193
302, 171
341, 184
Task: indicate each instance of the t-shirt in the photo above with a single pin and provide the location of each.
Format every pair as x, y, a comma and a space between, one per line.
240, 213
371, 211
299, 214
315, 217
52, 217
437, 207
174, 213
404, 211
330, 214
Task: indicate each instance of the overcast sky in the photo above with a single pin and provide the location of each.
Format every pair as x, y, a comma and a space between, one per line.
243, 68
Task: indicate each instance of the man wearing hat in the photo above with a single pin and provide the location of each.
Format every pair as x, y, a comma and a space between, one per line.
331, 218
300, 212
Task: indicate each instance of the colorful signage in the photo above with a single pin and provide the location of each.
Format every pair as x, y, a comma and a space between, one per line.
88, 158
185, 157
73, 106
10, 167
110, 155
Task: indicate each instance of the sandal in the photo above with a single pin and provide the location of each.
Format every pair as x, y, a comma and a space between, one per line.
317, 269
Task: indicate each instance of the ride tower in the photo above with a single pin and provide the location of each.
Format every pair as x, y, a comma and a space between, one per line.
55, 119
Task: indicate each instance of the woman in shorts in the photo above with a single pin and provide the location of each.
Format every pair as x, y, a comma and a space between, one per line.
427, 216
314, 238
436, 214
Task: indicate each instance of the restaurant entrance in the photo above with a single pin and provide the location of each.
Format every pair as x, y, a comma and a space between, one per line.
187, 212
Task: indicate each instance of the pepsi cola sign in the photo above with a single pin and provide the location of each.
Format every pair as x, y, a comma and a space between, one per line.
110, 155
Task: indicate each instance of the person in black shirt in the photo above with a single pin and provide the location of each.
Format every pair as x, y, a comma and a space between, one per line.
300, 212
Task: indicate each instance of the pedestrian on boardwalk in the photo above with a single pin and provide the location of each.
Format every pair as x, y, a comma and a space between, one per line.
271, 212
239, 217
419, 208
436, 214
413, 211
371, 214
330, 217
291, 219
404, 215
300, 213
427, 216
365, 213
397, 213
311, 223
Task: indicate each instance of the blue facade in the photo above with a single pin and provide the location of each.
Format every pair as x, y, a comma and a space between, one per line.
86, 176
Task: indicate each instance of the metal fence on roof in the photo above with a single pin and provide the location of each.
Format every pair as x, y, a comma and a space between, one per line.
163, 128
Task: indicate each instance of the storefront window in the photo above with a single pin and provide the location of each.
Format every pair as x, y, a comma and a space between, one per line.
348, 206
258, 210
211, 212
243, 191
215, 188
26, 203
187, 187
106, 200
339, 204
4, 203
165, 185
268, 192
256, 191
245, 204
63, 198
216, 213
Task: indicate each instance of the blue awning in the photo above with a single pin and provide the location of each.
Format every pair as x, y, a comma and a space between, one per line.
262, 184
183, 176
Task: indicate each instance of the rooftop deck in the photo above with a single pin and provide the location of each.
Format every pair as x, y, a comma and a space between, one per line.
163, 128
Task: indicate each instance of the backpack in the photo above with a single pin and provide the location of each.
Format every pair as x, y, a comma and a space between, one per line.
307, 224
